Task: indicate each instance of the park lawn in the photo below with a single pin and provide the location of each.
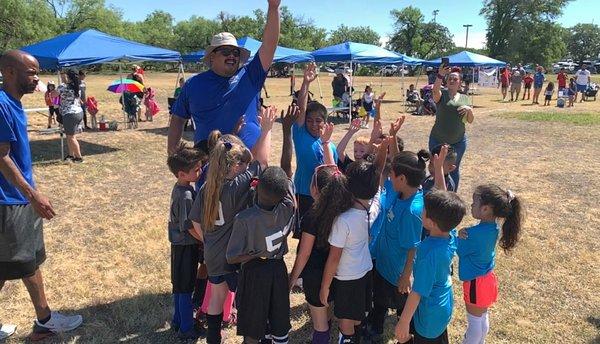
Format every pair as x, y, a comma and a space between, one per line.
582, 118
108, 254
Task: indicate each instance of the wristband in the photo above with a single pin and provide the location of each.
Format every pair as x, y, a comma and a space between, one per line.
440, 76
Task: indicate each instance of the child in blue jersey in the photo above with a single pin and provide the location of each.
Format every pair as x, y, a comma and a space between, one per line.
476, 249
428, 308
398, 237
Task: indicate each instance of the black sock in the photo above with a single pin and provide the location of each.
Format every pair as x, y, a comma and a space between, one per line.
199, 290
45, 320
213, 334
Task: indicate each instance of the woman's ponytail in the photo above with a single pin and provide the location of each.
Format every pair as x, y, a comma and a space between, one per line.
511, 228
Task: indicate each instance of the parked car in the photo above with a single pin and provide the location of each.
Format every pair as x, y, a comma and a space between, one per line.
389, 70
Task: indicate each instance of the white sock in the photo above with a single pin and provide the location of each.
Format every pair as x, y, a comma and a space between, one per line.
485, 326
474, 334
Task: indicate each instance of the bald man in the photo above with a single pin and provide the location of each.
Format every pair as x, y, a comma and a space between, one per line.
22, 206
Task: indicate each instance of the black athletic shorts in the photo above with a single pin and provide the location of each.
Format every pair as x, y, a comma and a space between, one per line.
311, 284
184, 267
352, 299
418, 339
263, 297
22, 248
304, 204
386, 295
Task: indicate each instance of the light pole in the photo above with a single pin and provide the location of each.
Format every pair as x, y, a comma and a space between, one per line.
467, 38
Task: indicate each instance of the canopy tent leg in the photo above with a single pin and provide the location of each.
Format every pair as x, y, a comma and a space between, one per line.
318, 83
351, 88
381, 81
60, 127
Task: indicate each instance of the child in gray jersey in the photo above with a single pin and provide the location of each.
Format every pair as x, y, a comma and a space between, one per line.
259, 242
185, 165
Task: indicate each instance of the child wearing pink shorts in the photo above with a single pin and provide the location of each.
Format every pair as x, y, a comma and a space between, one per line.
476, 249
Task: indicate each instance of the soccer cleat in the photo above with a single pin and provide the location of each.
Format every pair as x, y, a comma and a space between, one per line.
57, 323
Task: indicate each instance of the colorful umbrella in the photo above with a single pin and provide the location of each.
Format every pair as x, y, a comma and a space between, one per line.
125, 85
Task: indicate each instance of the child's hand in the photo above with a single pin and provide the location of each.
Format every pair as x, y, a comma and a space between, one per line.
465, 110
354, 126
380, 98
289, 118
326, 132
438, 159
267, 118
323, 296
404, 284
395, 126
462, 234
292, 283
402, 332
239, 125
376, 132
310, 73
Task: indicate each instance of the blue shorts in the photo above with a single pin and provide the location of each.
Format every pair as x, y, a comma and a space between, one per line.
581, 88
230, 278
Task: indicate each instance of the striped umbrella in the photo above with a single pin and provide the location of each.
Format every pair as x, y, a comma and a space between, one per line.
125, 85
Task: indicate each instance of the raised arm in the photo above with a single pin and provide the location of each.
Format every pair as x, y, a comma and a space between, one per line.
378, 102
382, 154
286, 151
394, 128
310, 74
13, 175
270, 35
262, 148
438, 166
341, 147
325, 141
437, 86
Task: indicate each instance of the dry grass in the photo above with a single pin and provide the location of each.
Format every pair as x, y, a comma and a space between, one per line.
109, 255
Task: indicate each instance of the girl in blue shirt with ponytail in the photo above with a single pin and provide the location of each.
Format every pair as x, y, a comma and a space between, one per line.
476, 249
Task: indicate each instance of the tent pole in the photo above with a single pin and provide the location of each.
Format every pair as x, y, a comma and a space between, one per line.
60, 129
351, 87
402, 87
319, 83
381, 80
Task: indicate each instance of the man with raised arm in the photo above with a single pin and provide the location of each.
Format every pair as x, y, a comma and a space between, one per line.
229, 91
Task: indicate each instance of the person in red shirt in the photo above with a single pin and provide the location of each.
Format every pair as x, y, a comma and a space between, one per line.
505, 80
528, 81
562, 79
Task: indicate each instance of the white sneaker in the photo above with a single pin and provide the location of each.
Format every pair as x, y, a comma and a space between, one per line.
7, 330
57, 323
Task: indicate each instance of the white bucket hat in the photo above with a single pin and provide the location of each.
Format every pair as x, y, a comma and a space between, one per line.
225, 38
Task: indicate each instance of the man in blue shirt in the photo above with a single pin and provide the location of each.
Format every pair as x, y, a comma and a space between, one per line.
22, 206
538, 83
221, 96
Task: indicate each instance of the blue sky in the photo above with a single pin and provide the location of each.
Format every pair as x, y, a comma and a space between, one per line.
374, 13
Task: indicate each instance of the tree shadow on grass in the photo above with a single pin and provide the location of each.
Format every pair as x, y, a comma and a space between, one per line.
48, 151
187, 134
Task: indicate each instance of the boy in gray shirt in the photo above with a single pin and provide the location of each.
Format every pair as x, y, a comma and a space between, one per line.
185, 165
259, 241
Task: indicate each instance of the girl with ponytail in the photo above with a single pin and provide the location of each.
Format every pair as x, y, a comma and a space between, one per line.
476, 249
226, 192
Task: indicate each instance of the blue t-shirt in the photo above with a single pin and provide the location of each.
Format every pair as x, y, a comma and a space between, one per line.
538, 80
385, 205
433, 283
478, 251
13, 130
401, 231
216, 102
309, 155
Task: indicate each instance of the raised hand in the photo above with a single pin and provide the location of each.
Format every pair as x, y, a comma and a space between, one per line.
438, 159
395, 126
326, 132
377, 132
274, 3
355, 126
290, 116
380, 98
267, 118
310, 73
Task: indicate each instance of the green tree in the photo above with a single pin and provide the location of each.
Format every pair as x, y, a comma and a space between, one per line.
524, 30
583, 41
414, 37
157, 30
25, 22
358, 34
194, 34
300, 33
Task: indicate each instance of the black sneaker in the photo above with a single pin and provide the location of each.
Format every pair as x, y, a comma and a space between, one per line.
77, 160
68, 157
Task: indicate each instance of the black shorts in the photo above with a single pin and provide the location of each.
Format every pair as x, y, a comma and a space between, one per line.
311, 284
352, 299
304, 204
548, 98
263, 297
22, 248
418, 339
386, 295
184, 267
231, 279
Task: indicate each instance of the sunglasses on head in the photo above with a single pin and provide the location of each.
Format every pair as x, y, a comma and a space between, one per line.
229, 51
318, 168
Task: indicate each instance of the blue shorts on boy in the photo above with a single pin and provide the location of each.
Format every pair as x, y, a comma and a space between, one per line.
433, 283
477, 253
401, 231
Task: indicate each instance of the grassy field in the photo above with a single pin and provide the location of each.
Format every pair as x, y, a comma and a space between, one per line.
109, 254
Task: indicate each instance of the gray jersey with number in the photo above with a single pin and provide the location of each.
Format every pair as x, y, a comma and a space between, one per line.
182, 198
236, 195
262, 233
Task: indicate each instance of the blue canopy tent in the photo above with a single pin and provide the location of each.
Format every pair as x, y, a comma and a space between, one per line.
282, 54
94, 47
467, 59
